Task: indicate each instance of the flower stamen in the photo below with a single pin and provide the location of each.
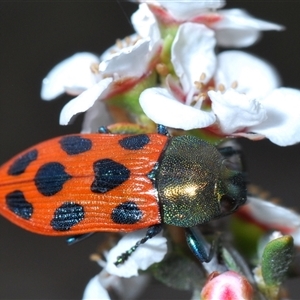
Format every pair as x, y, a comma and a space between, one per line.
95, 68
199, 85
198, 99
221, 88
202, 77
234, 84
119, 44
162, 69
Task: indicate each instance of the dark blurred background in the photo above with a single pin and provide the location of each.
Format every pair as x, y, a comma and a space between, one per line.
36, 35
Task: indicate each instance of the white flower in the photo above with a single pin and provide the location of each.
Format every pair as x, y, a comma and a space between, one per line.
233, 27
125, 288
151, 252
120, 278
273, 217
95, 289
253, 76
84, 101
276, 117
127, 65
129, 61
145, 24
255, 105
236, 28
236, 111
73, 75
161, 107
192, 53
186, 9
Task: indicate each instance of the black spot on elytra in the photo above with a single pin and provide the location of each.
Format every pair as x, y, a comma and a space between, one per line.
66, 216
50, 178
17, 203
73, 145
20, 164
135, 142
126, 213
108, 175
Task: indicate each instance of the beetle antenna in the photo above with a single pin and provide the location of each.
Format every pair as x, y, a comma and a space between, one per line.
151, 232
78, 238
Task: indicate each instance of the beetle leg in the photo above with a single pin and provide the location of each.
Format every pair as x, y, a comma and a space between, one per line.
103, 129
161, 129
78, 238
199, 246
151, 232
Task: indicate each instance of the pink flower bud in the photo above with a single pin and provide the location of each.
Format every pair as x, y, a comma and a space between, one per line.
227, 286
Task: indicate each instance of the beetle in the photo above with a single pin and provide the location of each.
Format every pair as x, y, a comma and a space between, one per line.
84, 183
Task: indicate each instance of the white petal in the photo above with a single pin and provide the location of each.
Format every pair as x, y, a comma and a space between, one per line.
151, 252
238, 18
72, 75
95, 117
84, 101
237, 28
145, 24
237, 37
236, 111
193, 53
249, 135
132, 288
253, 76
94, 290
125, 288
274, 217
188, 9
130, 62
283, 110
119, 47
160, 106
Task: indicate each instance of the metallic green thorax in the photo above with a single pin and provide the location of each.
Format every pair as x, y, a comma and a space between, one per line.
194, 186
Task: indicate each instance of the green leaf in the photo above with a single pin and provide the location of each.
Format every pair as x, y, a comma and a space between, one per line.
276, 259
180, 272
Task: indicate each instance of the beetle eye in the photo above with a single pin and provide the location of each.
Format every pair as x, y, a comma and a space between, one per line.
227, 204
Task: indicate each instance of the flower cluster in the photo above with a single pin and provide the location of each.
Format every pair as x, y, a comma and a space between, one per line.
171, 72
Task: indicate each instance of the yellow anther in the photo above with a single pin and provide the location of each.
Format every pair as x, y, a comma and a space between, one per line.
198, 99
234, 84
127, 40
221, 87
95, 257
119, 44
94, 68
199, 85
162, 69
202, 77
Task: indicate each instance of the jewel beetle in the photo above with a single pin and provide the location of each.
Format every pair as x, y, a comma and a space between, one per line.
84, 183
